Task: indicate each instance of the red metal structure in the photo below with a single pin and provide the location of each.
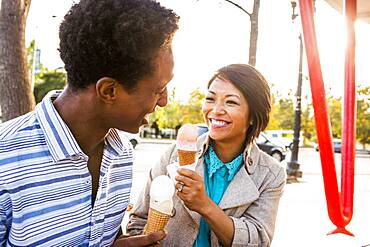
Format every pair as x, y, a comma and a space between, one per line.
339, 204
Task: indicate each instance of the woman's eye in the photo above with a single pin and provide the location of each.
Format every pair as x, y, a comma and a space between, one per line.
209, 99
230, 102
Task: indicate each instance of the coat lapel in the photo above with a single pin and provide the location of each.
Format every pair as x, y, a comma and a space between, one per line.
240, 191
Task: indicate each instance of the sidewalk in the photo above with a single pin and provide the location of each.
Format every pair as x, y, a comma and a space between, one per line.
303, 216
303, 219
157, 141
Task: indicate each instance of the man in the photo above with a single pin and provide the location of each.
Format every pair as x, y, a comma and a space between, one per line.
156, 128
65, 175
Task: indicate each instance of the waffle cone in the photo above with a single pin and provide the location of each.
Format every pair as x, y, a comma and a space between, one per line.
186, 157
156, 221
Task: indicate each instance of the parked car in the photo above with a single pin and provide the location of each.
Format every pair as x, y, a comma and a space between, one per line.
284, 136
133, 138
273, 148
146, 132
276, 150
168, 133
337, 145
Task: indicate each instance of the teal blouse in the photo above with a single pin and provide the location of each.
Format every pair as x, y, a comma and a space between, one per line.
217, 177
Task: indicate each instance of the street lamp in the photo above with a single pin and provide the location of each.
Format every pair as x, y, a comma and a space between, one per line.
293, 170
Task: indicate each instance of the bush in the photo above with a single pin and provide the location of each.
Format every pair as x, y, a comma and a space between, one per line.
47, 81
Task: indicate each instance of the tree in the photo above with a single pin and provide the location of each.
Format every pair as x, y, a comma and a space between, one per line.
274, 122
308, 124
176, 113
47, 81
282, 116
363, 116
335, 113
170, 115
286, 113
31, 49
193, 109
15, 86
282, 113
253, 36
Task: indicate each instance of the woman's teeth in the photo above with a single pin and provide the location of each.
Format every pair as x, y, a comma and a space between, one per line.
218, 123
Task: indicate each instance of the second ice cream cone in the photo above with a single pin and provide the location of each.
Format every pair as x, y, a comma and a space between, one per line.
161, 204
156, 221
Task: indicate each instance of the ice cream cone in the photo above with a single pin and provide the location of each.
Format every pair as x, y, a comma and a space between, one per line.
187, 144
161, 204
186, 157
156, 221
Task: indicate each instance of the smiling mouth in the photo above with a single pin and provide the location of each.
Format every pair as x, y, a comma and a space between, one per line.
216, 123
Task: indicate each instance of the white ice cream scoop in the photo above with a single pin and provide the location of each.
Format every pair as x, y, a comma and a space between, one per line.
161, 192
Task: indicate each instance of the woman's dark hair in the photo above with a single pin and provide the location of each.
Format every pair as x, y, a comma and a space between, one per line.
256, 91
114, 38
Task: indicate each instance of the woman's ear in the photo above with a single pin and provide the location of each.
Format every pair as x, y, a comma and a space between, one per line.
107, 89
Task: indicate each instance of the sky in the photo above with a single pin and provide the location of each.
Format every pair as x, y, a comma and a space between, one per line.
214, 33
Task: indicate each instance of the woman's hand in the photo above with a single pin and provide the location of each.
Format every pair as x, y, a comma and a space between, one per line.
140, 240
190, 189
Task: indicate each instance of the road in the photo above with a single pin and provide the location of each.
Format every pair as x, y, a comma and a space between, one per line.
302, 218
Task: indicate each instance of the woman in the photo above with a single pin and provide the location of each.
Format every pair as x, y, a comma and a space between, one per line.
232, 198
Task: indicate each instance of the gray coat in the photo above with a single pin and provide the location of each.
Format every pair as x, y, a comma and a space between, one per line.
251, 200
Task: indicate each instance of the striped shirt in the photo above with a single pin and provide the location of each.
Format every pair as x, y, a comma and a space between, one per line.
45, 184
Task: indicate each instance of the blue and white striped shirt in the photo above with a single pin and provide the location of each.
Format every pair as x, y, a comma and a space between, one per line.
45, 184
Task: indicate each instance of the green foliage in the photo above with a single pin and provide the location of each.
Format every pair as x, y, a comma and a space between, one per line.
47, 81
169, 116
176, 113
307, 123
274, 120
31, 56
282, 114
363, 116
192, 111
335, 113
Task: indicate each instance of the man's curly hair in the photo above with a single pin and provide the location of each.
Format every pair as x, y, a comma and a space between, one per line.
114, 38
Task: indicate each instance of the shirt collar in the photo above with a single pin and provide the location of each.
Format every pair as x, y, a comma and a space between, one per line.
115, 143
250, 153
214, 164
59, 138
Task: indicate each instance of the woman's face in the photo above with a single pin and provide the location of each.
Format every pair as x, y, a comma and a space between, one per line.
226, 112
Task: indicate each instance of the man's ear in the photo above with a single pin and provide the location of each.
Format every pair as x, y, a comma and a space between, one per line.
107, 89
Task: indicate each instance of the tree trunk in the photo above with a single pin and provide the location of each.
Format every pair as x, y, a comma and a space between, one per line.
16, 97
254, 33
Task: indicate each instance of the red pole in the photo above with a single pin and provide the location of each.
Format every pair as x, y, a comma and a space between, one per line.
323, 128
349, 116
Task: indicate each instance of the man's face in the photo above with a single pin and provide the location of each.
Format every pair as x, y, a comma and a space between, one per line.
132, 110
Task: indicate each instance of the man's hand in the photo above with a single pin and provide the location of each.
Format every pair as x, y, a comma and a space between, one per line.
140, 240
